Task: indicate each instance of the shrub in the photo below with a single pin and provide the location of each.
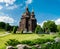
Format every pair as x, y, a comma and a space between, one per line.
41, 41
28, 42
12, 42
38, 29
36, 41
34, 47
53, 46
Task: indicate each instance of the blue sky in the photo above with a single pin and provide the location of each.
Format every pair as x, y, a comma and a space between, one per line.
11, 10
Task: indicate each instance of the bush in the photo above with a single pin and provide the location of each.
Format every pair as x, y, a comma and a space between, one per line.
36, 41
53, 46
28, 42
34, 47
38, 29
12, 42
41, 41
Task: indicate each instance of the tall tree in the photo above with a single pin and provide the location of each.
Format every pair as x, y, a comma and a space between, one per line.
2, 25
50, 26
7, 27
58, 28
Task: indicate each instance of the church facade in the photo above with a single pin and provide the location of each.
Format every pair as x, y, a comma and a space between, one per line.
28, 21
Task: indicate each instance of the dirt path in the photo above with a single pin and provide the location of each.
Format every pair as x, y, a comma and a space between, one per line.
6, 33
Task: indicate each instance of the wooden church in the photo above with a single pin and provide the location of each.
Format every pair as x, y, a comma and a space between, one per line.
28, 21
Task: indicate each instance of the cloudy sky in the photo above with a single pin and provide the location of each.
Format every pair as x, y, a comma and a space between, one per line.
11, 10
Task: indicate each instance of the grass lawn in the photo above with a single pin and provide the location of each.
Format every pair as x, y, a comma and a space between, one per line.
21, 37
2, 31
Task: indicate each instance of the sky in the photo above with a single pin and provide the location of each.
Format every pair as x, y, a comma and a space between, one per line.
12, 10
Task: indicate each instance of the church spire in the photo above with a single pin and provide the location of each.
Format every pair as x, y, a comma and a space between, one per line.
26, 8
32, 14
32, 11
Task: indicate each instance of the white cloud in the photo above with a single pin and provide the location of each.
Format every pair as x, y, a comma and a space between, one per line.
7, 2
57, 21
41, 24
1, 0
6, 19
28, 2
12, 7
1, 7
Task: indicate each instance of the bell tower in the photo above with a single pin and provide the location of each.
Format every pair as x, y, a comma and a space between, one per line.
33, 21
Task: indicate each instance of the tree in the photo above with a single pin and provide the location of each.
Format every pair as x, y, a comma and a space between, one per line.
45, 26
2, 25
49, 26
38, 29
14, 29
58, 28
7, 27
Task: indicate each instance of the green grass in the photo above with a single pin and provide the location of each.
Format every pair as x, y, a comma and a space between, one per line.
21, 37
2, 31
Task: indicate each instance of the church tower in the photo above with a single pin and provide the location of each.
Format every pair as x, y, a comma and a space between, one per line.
28, 21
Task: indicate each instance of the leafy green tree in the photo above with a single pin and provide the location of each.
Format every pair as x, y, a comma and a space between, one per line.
14, 29
2, 25
38, 29
45, 26
50, 26
7, 27
58, 28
